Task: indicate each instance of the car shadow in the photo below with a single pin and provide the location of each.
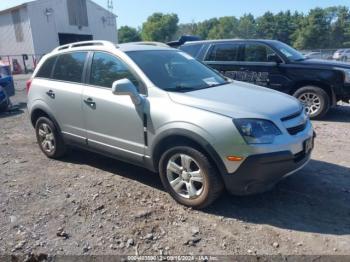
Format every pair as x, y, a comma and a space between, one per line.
337, 114
316, 199
142, 175
16, 109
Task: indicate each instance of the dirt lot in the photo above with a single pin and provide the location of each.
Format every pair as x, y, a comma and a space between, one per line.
89, 204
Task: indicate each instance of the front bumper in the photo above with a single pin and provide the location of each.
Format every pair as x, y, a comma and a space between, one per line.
259, 173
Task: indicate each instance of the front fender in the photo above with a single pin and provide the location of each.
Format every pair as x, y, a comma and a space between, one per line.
190, 132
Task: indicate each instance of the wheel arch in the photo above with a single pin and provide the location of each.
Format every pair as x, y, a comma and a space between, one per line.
176, 137
326, 87
42, 112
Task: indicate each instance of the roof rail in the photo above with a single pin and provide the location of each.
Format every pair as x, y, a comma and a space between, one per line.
85, 43
148, 43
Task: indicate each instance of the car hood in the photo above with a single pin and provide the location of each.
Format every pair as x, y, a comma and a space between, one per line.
240, 100
324, 63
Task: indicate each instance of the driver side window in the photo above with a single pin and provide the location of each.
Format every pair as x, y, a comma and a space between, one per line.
257, 53
105, 69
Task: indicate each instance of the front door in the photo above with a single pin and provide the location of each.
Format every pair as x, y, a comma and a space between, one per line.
113, 123
259, 68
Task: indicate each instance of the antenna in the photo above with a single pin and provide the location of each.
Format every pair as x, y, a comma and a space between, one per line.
111, 17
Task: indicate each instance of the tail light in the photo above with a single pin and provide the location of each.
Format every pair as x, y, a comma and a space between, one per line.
28, 84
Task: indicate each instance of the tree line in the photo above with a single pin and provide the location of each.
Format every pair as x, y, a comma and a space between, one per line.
320, 28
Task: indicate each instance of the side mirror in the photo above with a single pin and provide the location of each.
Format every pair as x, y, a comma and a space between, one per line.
274, 58
126, 87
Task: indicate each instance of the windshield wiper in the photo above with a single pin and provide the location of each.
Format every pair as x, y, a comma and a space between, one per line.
180, 89
213, 85
189, 89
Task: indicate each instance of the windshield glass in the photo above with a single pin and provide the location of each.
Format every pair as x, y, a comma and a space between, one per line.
289, 52
176, 71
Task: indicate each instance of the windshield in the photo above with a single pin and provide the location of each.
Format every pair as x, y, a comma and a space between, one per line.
176, 71
289, 52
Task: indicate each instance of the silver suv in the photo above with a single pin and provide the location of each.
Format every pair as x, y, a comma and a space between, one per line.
159, 108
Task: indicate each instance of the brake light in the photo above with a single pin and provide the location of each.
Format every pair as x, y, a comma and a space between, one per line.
28, 84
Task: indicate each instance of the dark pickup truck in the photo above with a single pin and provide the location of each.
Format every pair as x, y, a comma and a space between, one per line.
318, 84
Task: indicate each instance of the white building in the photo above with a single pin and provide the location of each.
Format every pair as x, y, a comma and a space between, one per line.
37, 27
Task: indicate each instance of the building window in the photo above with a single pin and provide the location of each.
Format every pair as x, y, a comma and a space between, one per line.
77, 12
17, 24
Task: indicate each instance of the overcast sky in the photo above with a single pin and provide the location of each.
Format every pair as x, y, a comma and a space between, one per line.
135, 12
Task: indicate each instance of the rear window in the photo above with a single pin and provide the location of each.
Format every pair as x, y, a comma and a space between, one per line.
192, 50
70, 67
224, 52
46, 69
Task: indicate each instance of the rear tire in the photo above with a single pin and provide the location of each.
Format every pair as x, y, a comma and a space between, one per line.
189, 177
49, 139
315, 99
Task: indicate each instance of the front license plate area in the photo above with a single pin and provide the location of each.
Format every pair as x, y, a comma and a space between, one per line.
309, 145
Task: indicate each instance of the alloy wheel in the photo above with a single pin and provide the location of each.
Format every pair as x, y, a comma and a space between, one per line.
47, 138
311, 101
185, 176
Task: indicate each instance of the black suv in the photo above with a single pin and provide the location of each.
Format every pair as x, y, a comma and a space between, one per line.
318, 84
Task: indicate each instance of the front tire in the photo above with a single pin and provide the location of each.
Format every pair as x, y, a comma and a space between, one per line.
189, 177
315, 99
49, 139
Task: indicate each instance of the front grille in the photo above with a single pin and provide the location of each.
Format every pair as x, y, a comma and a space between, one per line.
297, 129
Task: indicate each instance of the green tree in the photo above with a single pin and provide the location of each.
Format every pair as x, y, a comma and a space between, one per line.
186, 29
340, 22
203, 28
247, 26
128, 34
160, 27
315, 30
266, 26
227, 27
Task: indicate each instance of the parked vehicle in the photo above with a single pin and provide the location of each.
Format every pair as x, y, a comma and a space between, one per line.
6, 87
342, 55
161, 109
318, 84
183, 39
4, 100
314, 55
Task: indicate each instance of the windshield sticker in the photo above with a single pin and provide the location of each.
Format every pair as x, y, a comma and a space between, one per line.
211, 81
187, 56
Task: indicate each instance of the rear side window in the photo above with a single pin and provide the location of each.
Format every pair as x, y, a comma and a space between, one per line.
192, 50
106, 69
46, 69
224, 52
70, 67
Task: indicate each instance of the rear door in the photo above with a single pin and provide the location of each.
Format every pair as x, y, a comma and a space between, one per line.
61, 89
225, 58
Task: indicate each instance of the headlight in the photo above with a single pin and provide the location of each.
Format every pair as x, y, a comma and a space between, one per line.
257, 131
346, 74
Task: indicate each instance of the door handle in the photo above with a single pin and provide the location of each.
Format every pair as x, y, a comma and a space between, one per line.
243, 69
51, 94
90, 102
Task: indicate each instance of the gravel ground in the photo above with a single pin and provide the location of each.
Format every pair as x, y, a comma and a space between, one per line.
90, 204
